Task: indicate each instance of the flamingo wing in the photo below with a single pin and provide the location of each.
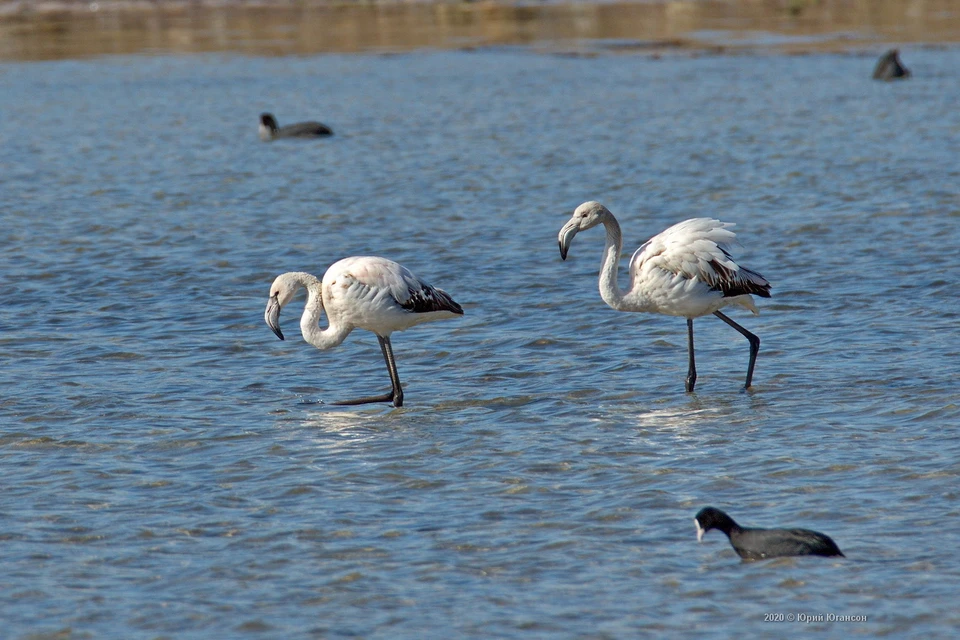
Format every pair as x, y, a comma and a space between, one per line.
699, 248
426, 298
386, 278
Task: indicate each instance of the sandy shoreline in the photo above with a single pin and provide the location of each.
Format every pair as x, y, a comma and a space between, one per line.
74, 29
85, 6
42, 7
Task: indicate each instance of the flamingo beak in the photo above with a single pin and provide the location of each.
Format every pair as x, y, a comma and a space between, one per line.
700, 530
272, 316
566, 236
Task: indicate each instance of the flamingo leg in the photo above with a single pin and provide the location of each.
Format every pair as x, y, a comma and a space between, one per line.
387, 349
395, 395
754, 345
692, 366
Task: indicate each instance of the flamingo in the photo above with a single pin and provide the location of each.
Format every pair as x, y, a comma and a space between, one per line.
364, 292
685, 271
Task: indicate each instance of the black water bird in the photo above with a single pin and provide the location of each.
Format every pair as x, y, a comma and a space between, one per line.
759, 544
889, 67
270, 131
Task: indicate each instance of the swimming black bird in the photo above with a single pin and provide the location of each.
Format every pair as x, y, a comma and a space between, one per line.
270, 131
889, 67
758, 544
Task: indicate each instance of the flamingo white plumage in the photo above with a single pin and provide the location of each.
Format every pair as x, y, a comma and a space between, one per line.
684, 271
362, 292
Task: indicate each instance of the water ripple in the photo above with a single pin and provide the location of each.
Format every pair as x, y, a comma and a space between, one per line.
172, 472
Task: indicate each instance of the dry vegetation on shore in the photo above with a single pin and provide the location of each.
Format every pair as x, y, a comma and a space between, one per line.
49, 29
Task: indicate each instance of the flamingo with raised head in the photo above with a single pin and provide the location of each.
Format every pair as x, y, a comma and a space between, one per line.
362, 292
686, 271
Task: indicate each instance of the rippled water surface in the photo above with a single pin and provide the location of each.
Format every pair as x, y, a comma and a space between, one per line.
168, 472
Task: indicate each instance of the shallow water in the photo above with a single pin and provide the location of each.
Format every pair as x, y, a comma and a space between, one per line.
168, 474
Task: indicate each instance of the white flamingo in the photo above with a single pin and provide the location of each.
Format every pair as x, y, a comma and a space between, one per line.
364, 292
685, 271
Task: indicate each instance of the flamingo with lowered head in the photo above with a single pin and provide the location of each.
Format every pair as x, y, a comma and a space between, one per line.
362, 292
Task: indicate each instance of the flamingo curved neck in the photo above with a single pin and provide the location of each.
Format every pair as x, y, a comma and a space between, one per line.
609, 290
327, 338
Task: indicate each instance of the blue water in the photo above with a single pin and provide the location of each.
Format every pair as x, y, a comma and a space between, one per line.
169, 474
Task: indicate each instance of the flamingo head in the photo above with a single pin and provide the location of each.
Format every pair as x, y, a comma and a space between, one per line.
281, 292
586, 216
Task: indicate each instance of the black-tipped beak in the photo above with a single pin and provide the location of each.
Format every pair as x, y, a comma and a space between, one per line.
566, 237
272, 316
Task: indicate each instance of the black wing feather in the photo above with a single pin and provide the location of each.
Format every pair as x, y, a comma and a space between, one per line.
739, 282
427, 299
